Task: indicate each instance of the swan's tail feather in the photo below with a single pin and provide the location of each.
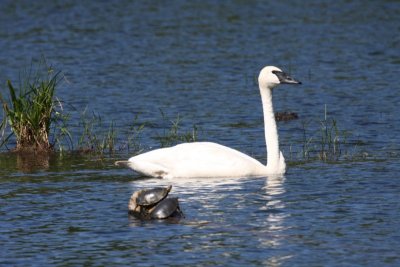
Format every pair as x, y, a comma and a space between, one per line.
122, 163
145, 168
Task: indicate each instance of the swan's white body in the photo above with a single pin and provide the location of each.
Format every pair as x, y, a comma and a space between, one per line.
197, 160
211, 160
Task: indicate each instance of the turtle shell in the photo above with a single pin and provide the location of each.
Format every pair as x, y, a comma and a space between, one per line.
150, 197
166, 208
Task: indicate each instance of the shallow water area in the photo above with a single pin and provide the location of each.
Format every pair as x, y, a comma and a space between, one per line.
199, 61
80, 217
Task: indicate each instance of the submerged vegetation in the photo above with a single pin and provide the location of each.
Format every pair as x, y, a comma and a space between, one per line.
35, 116
326, 143
100, 139
93, 139
174, 135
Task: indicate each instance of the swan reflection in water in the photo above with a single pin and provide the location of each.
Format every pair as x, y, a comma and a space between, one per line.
196, 196
229, 193
274, 229
242, 207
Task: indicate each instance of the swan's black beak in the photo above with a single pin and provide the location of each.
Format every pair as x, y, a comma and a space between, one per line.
285, 78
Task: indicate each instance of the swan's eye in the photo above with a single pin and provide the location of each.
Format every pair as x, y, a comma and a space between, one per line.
276, 72
280, 74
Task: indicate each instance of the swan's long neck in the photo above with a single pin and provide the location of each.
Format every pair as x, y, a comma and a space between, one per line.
271, 132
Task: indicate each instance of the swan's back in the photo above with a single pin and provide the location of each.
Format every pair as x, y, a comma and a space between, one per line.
196, 160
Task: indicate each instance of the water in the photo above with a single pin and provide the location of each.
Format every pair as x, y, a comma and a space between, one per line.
200, 60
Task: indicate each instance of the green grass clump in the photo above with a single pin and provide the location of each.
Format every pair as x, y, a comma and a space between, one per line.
32, 108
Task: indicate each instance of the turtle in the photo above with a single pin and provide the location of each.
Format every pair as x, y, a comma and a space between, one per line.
150, 197
146, 204
168, 207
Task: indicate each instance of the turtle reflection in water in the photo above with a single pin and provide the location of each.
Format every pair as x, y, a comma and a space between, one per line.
153, 203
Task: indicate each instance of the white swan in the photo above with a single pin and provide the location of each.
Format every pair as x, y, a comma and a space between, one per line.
211, 160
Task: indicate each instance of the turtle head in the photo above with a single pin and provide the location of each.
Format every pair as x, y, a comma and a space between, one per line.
133, 207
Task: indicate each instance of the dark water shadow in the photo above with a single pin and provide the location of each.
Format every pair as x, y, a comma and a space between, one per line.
26, 162
33, 162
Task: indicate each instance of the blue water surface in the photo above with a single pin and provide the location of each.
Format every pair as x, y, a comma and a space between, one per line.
200, 60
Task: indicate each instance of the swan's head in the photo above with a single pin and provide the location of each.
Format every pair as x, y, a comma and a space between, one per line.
271, 76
